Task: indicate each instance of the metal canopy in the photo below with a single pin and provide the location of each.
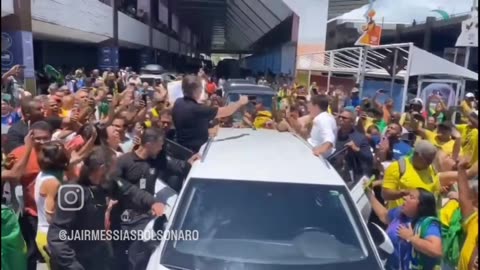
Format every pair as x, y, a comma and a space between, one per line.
351, 61
231, 24
373, 62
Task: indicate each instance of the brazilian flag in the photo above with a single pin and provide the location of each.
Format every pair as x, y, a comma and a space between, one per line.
14, 249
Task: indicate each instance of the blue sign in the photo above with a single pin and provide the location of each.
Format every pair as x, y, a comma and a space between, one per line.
17, 49
108, 58
370, 87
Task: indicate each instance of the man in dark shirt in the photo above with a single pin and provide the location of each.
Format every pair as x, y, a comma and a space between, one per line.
358, 157
149, 169
191, 119
31, 112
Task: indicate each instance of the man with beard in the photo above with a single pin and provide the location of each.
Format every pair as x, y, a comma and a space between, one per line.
392, 146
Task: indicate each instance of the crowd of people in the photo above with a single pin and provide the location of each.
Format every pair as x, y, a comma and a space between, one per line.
113, 135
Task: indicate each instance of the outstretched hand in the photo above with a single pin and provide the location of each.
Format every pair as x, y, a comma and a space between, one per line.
194, 158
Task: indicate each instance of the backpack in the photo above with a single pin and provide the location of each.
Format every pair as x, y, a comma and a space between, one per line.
402, 166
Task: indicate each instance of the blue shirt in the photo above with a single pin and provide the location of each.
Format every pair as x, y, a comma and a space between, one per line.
355, 102
402, 249
10, 118
400, 149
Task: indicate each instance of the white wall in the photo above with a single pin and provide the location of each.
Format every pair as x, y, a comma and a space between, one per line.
89, 16
7, 7
131, 30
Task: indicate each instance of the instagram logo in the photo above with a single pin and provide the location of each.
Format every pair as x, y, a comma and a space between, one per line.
70, 197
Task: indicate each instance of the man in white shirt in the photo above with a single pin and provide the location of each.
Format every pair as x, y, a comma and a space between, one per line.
324, 129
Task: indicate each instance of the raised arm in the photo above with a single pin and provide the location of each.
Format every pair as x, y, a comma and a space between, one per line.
230, 109
377, 207
19, 167
464, 197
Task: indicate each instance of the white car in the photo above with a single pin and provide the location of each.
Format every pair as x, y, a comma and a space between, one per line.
259, 199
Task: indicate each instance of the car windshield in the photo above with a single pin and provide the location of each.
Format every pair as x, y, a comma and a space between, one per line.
268, 226
151, 81
254, 98
265, 99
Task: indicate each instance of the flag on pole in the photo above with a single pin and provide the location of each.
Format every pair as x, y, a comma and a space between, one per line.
372, 32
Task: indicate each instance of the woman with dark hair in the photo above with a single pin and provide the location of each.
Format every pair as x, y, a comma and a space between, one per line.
86, 211
54, 161
414, 230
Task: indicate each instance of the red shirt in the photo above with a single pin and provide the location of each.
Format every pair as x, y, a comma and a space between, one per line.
28, 179
75, 144
211, 88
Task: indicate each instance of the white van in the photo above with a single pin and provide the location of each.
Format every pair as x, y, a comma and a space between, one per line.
259, 199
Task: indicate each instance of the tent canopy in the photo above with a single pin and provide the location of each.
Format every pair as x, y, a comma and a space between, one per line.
426, 64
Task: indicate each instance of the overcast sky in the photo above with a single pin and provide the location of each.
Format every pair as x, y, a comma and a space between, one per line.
313, 13
313, 19
411, 10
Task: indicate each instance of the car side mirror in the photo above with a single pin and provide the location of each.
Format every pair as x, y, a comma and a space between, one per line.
382, 241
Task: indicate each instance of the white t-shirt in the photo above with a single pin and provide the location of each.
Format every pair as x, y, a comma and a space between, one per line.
324, 130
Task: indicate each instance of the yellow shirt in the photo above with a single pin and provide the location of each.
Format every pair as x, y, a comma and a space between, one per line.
446, 147
470, 226
263, 117
469, 141
447, 211
466, 110
411, 179
367, 123
65, 113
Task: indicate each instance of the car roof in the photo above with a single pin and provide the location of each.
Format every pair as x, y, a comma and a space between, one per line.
245, 81
155, 76
263, 155
248, 89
